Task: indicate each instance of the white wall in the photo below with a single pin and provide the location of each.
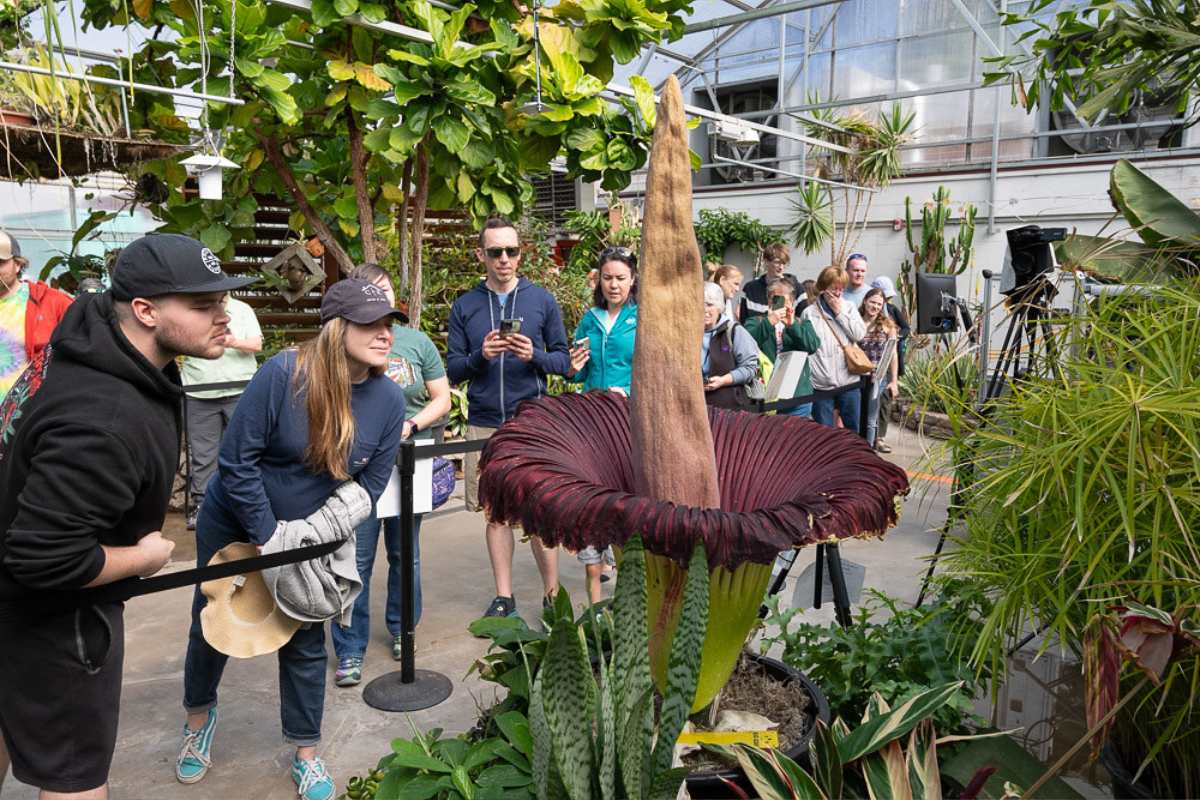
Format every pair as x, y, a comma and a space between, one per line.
1071, 196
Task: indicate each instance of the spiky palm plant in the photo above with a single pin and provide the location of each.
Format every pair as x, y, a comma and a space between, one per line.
596, 468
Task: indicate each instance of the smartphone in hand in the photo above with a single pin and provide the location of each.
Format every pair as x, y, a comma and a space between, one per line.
510, 326
778, 302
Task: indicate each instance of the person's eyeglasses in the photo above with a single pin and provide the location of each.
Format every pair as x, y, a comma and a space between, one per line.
496, 252
619, 254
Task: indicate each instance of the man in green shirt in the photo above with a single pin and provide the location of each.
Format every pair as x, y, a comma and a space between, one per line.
209, 410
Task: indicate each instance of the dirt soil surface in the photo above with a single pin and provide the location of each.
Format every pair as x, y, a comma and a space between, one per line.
752, 688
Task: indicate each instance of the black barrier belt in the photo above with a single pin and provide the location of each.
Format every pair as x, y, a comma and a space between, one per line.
209, 387
125, 590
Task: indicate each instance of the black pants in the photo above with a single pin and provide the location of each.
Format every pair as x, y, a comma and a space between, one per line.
60, 695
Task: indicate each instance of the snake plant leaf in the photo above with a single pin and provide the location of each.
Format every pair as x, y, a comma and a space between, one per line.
547, 783
881, 728
566, 695
826, 762
630, 656
666, 784
683, 668
924, 778
633, 746
1160, 218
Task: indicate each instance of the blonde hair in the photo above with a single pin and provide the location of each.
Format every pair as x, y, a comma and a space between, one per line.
719, 272
323, 377
831, 276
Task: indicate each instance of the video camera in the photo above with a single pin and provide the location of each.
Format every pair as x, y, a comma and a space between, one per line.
1029, 255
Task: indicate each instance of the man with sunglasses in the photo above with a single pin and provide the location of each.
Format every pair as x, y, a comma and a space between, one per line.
506, 336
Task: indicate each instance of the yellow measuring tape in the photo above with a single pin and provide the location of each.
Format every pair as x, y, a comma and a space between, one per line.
753, 738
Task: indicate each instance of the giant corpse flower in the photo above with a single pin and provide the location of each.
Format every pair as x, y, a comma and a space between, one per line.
593, 469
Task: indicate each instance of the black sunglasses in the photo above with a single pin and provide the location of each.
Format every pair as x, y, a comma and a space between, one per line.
496, 252
619, 254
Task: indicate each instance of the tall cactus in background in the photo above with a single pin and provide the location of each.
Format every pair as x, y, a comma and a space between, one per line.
935, 253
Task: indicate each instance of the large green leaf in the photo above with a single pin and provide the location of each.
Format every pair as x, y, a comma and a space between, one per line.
924, 778
1160, 218
586, 140
880, 729
643, 93
826, 763
451, 132
683, 666
567, 674
215, 237
408, 753
515, 728
631, 660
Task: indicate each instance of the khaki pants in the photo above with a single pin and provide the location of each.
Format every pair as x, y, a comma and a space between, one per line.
471, 467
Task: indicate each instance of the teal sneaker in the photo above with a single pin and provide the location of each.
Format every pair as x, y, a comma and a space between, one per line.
194, 756
311, 779
349, 672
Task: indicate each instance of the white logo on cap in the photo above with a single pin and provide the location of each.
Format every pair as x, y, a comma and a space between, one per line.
374, 293
210, 261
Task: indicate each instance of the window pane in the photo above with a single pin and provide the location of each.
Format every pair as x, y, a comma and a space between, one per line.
864, 71
935, 61
860, 21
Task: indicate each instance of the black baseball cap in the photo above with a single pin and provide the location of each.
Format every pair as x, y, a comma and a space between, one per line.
360, 302
170, 263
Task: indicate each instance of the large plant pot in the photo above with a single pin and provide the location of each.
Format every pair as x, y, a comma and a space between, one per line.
709, 786
1123, 785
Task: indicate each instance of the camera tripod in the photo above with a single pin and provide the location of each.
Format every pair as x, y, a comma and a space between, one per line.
1029, 314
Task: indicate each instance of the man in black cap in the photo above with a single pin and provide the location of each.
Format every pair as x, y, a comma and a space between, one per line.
89, 448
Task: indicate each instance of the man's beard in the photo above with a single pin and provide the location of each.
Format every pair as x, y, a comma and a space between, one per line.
172, 339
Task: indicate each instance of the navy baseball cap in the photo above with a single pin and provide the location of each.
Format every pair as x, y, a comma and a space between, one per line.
360, 302
170, 263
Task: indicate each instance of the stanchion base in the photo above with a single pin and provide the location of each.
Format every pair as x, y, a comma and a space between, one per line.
389, 693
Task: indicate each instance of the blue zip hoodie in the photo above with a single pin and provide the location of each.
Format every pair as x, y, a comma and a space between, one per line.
499, 385
611, 361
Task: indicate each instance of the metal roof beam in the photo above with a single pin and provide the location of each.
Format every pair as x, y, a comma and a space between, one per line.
761, 12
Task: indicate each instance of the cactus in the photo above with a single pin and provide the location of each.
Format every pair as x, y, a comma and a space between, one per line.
935, 254
601, 738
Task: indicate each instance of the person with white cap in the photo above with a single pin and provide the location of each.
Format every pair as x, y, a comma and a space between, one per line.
29, 312
897, 316
88, 454
310, 420
728, 354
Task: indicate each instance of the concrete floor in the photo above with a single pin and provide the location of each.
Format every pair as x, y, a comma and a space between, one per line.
250, 759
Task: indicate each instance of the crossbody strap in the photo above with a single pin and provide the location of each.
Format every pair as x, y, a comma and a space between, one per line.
825, 317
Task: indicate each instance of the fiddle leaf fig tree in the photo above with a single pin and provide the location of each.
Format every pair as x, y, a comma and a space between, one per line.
362, 132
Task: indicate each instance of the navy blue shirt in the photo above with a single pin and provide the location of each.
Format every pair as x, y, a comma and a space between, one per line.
262, 477
500, 384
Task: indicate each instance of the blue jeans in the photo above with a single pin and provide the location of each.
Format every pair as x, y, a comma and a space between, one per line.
351, 641
873, 412
802, 410
849, 404
301, 661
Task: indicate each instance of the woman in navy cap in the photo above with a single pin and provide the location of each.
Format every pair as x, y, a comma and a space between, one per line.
311, 419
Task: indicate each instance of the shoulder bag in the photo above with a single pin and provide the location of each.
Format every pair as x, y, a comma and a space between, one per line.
857, 362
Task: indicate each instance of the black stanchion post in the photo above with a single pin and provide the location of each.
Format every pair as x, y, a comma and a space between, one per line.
187, 460
841, 598
410, 689
408, 468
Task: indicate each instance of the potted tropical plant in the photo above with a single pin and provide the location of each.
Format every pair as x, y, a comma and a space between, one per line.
1085, 501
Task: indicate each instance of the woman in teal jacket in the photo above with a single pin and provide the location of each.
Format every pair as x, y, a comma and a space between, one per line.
602, 356
778, 331
602, 347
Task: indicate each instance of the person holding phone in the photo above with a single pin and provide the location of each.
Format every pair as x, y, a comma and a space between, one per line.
506, 335
779, 331
602, 357
837, 323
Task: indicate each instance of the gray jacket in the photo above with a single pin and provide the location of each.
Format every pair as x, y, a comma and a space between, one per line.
326, 587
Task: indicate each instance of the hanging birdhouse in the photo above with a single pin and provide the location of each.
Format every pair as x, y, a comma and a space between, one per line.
293, 273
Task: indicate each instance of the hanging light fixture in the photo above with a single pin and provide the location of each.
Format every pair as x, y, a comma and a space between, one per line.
209, 165
537, 106
208, 169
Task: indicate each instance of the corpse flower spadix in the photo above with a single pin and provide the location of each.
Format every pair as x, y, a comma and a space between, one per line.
594, 469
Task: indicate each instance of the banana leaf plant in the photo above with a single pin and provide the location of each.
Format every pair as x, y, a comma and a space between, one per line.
595, 469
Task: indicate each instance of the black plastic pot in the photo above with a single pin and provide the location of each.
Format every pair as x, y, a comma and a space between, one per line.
709, 786
1123, 786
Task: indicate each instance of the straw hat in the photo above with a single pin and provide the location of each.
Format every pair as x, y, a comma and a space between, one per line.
241, 618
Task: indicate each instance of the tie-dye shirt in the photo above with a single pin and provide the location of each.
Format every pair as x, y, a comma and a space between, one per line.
12, 337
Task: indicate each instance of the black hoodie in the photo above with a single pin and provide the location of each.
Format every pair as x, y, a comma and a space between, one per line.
89, 448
